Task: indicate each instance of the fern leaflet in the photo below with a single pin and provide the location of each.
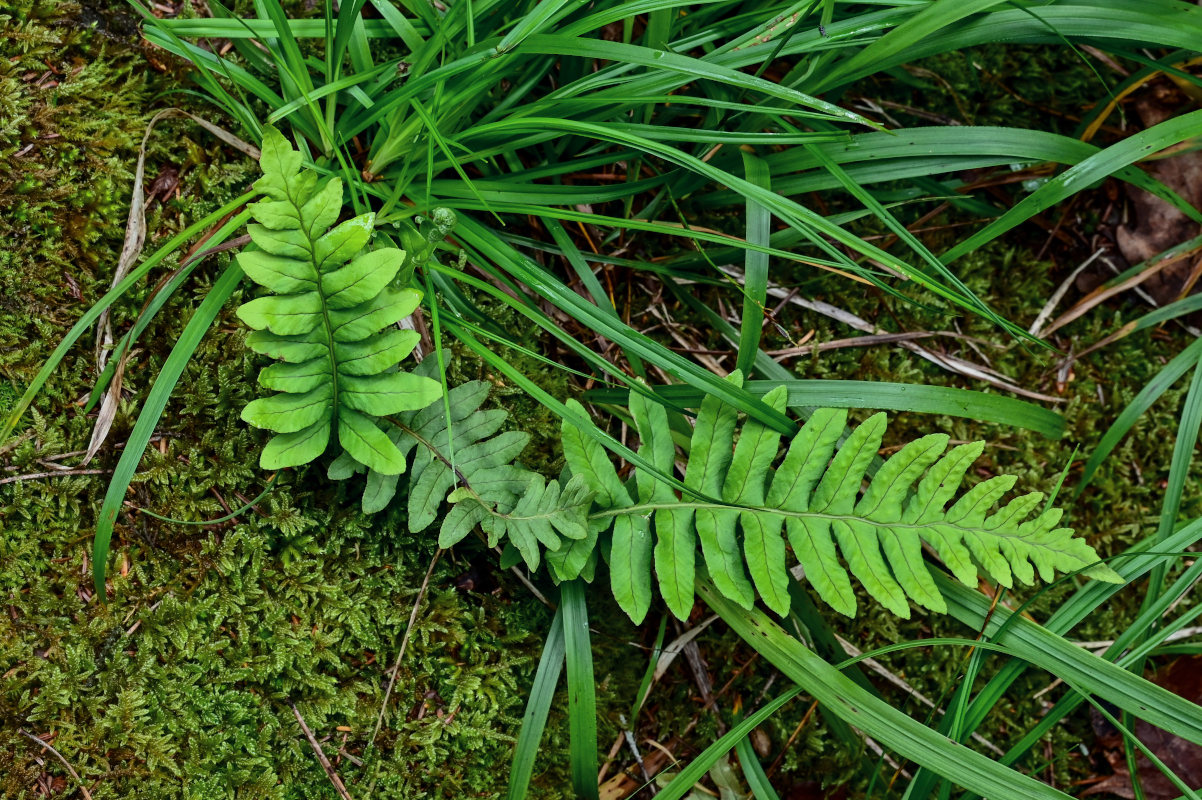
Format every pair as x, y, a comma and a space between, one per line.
815, 496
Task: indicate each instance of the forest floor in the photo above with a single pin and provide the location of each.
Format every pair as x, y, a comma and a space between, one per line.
221, 643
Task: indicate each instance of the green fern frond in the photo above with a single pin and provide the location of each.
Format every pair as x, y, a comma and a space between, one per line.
813, 503
329, 320
535, 516
482, 483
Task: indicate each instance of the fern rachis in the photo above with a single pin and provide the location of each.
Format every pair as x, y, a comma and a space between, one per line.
482, 482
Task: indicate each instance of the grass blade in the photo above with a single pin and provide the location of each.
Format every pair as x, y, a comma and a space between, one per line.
582, 701
1161, 383
538, 706
688, 69
152, 409
699, 766
1183, 454
755, 271
934, 18
915, 397
753, 772
1092, 169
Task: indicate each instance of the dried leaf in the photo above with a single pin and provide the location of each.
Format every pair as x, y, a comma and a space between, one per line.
1183, 677
135, 239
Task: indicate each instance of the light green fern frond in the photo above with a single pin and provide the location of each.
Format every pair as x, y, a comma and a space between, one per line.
329, 321
814, 503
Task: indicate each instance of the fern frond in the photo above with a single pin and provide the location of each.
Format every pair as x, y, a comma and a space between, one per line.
747, 514
481, 482
535, 516
328, 319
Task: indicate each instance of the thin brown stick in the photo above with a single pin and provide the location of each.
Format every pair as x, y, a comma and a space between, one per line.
421, 593
321, 755
946, 361
232, 244
792, 738
82, 788
1154, 266
20, 440
860, 341
396, 666
701, 676
1049, 308
58, 473
609, 758
530, 586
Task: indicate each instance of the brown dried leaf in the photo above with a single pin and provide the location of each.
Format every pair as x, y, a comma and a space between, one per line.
1156, 225
1183, 677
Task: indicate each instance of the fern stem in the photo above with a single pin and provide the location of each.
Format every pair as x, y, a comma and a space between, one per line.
649, 508
327, 324
461, 480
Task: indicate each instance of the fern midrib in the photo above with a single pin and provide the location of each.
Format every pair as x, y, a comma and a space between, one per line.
647, 508
492, 510
327, 323
461, 480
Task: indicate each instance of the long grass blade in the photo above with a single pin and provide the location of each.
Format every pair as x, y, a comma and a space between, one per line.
753, 772
755, 271
1151, 392
1183, 456
148, 417
582, 702
538, 707
915, 397
933, 18
1096, 167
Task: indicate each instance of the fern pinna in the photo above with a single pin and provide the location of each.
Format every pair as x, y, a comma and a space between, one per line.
737, 505
329, 321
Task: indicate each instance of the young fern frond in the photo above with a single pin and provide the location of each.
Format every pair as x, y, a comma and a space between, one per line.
329, 320
481, 481
815, 496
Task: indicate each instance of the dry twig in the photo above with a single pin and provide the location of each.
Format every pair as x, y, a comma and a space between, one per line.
951, 363
396, 666
57, 473
78, 780
321, 756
